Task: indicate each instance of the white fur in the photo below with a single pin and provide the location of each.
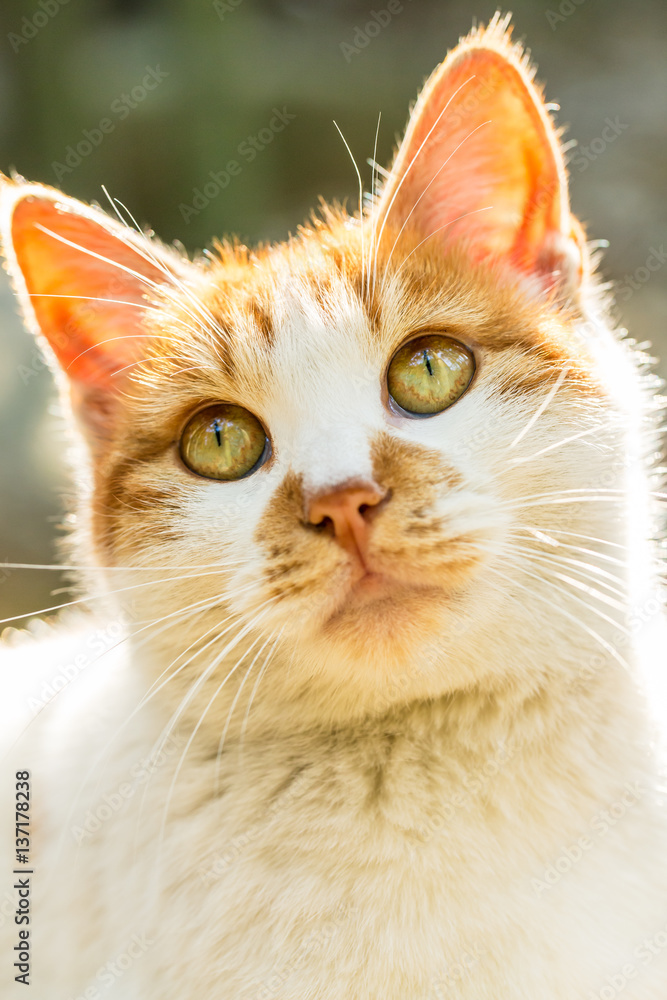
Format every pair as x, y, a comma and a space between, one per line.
237, 799
406, 855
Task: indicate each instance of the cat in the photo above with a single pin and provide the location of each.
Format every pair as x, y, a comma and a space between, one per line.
369, 703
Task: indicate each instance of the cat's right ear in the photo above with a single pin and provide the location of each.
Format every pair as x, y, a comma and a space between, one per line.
481, 164
85, 283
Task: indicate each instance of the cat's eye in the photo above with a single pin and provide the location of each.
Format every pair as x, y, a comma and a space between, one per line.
223, 441
429, 373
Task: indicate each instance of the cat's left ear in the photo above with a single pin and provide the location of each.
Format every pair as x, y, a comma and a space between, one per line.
86, 284
481, 163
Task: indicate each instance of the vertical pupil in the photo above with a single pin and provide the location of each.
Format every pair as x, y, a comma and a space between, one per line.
427, 362
216, 428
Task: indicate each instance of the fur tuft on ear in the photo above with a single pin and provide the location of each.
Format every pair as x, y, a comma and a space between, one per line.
85, 283
481, 163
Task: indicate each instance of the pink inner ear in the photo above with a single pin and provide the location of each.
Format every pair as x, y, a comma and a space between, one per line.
481, 161
86, 335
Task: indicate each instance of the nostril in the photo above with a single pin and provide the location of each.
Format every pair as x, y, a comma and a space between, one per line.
369, 510
345, 510
345, 515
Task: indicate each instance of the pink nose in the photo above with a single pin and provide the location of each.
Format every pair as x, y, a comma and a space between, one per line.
347, 512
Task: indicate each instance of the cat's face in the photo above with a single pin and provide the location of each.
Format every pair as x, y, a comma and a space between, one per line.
373, 442
442, 501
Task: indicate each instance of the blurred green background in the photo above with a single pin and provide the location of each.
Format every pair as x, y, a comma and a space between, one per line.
186, 83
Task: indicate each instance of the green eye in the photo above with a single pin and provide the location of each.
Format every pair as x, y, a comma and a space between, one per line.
223, 442
429, 373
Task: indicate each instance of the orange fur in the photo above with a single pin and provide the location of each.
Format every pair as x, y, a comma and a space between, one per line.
394, 739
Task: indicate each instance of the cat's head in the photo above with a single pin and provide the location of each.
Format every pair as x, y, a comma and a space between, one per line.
379, 453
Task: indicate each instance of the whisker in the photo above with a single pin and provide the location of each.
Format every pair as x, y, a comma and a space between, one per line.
221, 742
175, 616
564, 500
575, 534
361, 203
147, 252
257, 683
196, 607
205, 675
144, 361
156, 686
573, 597
144, 306
542, 407
201, 680
436, 174
374, 174
414, 160
378, 168
188, 609
120, 569
160, 289
194, 368
144, 279
109, 593
435, 232
186, 700
559, 444
558, 555
556, 607
575, 565
153, 690
579, 489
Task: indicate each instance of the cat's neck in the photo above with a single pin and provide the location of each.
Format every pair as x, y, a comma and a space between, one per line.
556, 755
595, 713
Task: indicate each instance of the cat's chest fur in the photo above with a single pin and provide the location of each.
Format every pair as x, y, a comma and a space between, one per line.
378, 505
395, 860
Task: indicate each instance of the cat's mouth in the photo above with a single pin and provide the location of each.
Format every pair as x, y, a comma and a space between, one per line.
377, 609
372, 585
391, 592
375, 587
367, 588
